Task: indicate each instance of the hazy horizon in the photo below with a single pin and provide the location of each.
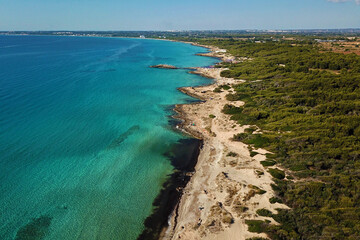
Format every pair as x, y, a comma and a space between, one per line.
182, 30
159, 15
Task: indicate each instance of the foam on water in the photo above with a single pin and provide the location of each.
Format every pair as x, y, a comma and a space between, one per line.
84, 133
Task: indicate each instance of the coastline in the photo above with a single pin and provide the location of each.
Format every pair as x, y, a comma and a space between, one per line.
183, 157
156, 225
224, 190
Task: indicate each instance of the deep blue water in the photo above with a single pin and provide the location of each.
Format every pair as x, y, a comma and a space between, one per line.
83, 132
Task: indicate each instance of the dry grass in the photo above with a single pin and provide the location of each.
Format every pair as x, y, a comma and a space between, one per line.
342, 47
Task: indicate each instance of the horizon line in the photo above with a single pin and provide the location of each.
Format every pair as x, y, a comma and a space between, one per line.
193, 30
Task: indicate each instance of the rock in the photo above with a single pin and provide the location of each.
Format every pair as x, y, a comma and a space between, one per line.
165, 66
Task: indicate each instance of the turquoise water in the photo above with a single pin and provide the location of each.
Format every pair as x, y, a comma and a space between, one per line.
83, 132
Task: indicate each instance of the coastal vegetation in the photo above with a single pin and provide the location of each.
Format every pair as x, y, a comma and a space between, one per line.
306, 101
256, 238
264, 212
277, 173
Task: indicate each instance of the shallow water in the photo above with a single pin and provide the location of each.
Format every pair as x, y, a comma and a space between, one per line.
84, 132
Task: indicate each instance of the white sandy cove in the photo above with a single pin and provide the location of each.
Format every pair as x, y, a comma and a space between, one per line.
212, 206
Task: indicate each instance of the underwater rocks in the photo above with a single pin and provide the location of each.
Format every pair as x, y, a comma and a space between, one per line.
164, 66
36, 229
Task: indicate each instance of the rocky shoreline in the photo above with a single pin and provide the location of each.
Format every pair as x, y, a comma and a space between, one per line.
183, 157
228, 185
223, 185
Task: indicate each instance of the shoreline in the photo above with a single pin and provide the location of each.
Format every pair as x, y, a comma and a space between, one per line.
169, 196
166, 204
224, 190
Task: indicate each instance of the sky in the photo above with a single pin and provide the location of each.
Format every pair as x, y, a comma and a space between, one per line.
32, 15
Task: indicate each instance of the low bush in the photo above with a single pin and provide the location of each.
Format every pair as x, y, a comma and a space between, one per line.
268, 163
264, 212
277, 173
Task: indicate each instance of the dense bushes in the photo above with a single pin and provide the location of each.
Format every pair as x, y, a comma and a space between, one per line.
264, 212
308, 105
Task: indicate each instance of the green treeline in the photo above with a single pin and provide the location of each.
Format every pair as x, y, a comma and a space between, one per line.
307, 104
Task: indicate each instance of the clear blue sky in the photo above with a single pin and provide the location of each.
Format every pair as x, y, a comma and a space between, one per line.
177, 14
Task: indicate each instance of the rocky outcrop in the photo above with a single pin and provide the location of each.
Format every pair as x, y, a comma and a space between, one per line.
165, 66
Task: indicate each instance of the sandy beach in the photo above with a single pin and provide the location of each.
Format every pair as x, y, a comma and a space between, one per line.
226, 187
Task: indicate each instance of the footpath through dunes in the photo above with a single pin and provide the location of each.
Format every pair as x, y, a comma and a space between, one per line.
230, 185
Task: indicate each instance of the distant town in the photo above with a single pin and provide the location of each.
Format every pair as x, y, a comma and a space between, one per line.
322, 34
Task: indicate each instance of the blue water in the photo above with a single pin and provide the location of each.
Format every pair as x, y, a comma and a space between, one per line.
83, 132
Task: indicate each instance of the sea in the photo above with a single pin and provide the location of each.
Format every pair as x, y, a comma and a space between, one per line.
86, 134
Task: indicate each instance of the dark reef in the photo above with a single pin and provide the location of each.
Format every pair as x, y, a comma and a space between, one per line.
183, 156
36, 229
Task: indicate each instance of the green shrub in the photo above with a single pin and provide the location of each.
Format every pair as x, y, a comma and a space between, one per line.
225, 87
253, 153
275, 200
261, 192
264, 212
217, 90
236, 97
257, 226
256, 238
268, 163
230, 109
250, 130
258, 140
277, 173
310, 120
240, 137
226, 73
